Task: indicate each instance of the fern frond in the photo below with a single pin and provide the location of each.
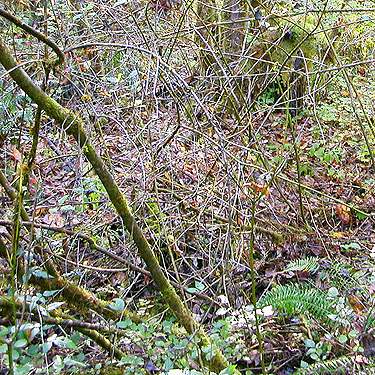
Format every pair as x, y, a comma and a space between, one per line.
342, 275
341, 365
367, 371
292, 300
308, 264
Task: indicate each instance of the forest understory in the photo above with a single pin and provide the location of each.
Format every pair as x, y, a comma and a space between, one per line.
260, 215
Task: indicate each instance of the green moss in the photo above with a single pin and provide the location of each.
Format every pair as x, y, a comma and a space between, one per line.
293, 39
107, 370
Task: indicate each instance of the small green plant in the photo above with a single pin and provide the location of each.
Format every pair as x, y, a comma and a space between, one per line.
317, 351
90, 191
14, 107
269, 96
342, 365
324, 154
30, 343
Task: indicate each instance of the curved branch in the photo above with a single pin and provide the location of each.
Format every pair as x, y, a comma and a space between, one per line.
82, 299
60, 54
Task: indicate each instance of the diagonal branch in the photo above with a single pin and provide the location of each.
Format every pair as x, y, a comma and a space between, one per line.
73, 125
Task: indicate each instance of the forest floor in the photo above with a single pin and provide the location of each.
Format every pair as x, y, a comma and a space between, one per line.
193, 196
220, 192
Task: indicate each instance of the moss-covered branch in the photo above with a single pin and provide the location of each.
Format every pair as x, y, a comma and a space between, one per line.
83, 300
73, 125
60, 55
109, 254
7, 304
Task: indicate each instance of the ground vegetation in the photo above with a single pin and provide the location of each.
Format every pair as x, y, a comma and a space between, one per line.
187, 187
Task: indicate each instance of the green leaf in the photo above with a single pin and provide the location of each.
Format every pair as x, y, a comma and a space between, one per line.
221, 311
54, 306
20, 370
3, 331
309, 343
124, 323
80, 357
46, 346
168, 364
15, 354
200, 286
20, 343
314, 356
76, 337
354, 245
72, 362
117, 304
42, 274
207, 348
33, 351
333, 292
360, 215
57, 361
353, 333
228, 371
63, 342
50, 293
310, 351
343, 339
167, 326
351, 245
209, 356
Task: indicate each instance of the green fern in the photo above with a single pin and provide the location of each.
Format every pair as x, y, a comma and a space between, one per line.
341, 365
292, 300
367, 371
309, 264
340, 274
343, 276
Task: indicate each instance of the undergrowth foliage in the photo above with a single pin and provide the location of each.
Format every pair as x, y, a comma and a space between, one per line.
340, 365
242, 136
295, 300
